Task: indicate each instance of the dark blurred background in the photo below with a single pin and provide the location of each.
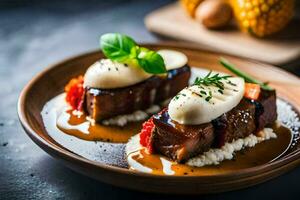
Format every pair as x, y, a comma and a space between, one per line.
37, 33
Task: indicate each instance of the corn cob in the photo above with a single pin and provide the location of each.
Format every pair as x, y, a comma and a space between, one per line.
263, 17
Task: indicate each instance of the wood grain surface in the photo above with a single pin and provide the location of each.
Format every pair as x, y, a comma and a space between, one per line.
172, 21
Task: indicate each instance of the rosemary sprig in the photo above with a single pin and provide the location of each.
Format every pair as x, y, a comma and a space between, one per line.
242, 74
211, 80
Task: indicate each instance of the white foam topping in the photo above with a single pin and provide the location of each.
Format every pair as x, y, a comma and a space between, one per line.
193, 105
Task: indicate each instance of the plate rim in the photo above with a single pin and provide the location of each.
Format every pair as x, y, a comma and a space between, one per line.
290, 160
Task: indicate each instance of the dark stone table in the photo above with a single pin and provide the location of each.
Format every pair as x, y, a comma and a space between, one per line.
34, 34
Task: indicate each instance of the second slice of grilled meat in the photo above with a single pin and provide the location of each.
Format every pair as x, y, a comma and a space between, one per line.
266, 112
236, 123
249, 116
181, 142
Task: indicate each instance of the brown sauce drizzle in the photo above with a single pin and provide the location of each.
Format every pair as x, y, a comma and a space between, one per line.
261, 153
70, 123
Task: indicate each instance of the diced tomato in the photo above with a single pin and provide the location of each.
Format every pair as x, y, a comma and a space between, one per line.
146, 135
75, 93
252, 91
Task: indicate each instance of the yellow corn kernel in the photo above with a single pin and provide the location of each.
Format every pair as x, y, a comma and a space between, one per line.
248, 6
255, 3
265, 8
251, 15
257, 11
246, 23
253, 23
243, 15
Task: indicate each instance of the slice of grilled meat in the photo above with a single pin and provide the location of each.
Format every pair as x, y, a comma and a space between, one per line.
249, 116
181, 142
236, 123
102, 104
266, 112
177, 141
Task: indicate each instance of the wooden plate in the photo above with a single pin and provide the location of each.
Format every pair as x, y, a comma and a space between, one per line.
108, 167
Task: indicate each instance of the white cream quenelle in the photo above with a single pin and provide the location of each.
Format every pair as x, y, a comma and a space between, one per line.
193, 105
173, 59
107, 74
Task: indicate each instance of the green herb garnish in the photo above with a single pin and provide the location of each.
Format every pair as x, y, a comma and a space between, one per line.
244, 75
203, 92
123, 49
208, 98
213, 80
178, 95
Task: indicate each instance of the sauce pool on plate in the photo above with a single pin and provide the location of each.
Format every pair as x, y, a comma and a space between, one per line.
79, 126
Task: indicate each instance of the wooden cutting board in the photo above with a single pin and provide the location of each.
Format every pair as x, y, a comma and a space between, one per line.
173, 22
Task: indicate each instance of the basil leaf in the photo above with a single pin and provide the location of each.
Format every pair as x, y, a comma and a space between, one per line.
116, 46
151, 61
123, 49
